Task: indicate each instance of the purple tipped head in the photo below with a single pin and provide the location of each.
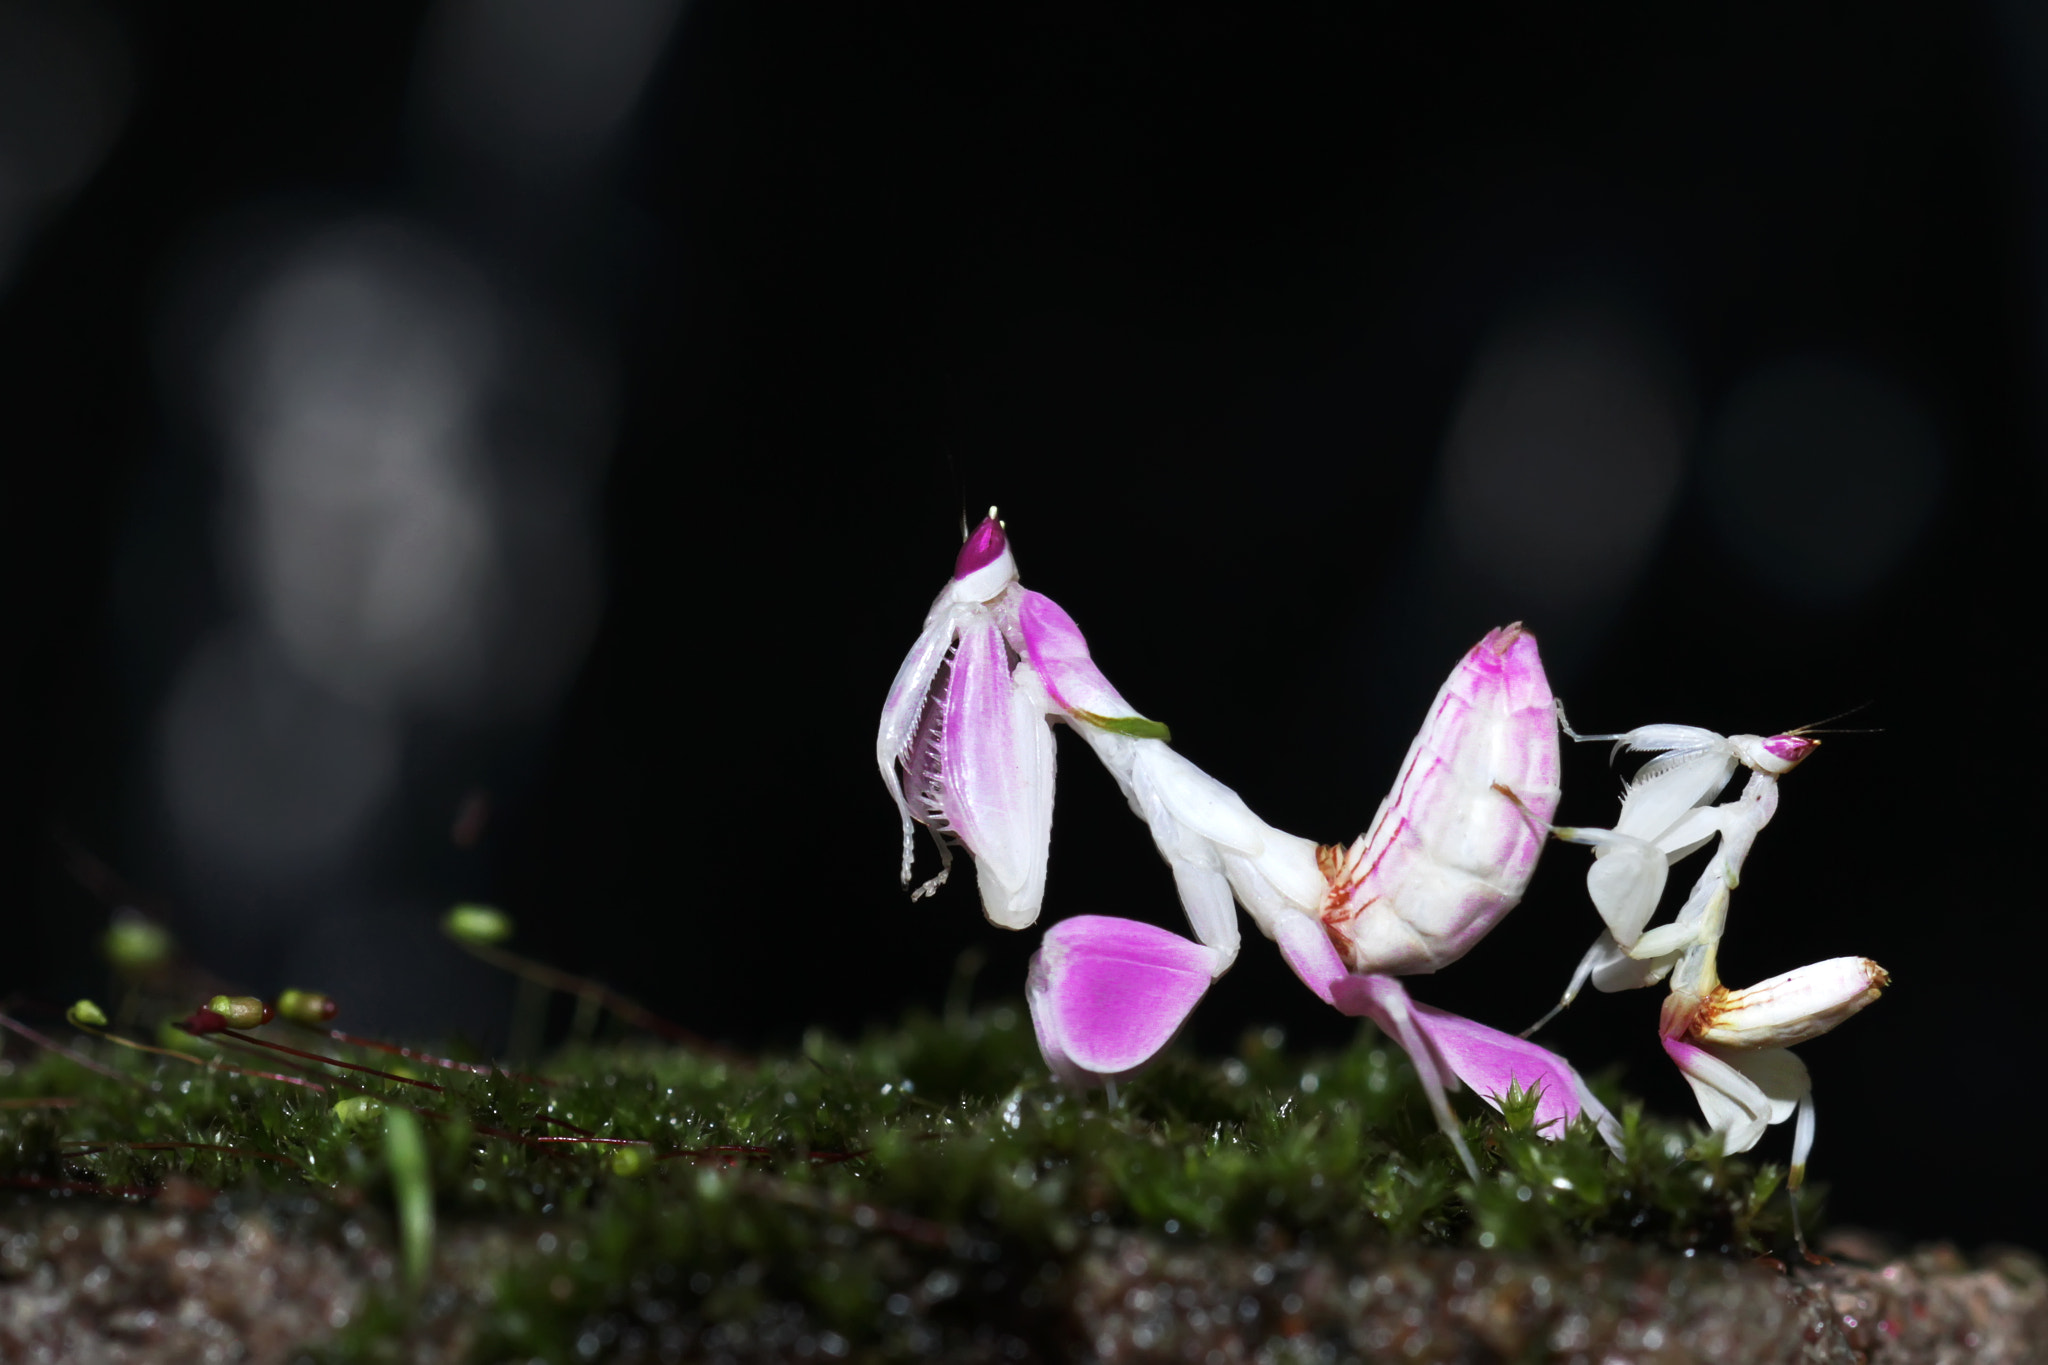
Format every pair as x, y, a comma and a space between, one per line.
982, 549
1790, 750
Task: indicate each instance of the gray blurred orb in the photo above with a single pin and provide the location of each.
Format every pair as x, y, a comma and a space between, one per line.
268, 777
352, 394
412, 467
64, 92
1564, 456
1820, 476
537, 88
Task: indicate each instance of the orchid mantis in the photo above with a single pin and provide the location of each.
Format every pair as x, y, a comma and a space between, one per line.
1664, 818
1731, 1046
965, 747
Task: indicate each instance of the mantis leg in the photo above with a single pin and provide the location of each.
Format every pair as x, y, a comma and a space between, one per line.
1802, 1144
1382, 999
1603, 953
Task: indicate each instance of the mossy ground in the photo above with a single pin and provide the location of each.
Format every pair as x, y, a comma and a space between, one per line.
879, 1198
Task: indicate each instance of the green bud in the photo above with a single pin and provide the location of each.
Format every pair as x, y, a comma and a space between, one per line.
358, 1110
85, 1014
241, 1011
1518, 1108
631, 1161
306, 1007
134, 945
477, 924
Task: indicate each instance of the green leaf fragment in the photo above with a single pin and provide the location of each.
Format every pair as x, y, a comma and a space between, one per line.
412, 1190
1137, 727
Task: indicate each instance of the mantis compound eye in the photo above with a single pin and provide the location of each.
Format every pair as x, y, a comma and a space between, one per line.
985, 566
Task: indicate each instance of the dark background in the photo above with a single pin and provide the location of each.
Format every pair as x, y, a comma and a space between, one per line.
1298, 345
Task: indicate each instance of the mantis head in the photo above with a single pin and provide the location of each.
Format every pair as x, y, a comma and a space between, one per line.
1776, 755
985, 565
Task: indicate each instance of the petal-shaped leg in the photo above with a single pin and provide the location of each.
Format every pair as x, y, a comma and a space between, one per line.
1618, 971
999, 776
1787, 1087
1442, 1045
1781, 1077
1625, 881
1491, 1061
1735, 1106
1107, 994
1308, 950
1048, 637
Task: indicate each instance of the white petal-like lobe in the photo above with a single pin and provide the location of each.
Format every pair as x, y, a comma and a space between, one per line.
1781, 1077
999, 777
1626, 881
1734, 1105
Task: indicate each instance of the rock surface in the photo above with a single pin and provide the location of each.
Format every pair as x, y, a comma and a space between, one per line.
88, 1283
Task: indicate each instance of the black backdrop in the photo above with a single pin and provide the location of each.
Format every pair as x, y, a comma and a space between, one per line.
1199, 299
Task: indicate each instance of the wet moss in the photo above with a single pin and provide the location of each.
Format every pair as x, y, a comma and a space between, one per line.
924, 1188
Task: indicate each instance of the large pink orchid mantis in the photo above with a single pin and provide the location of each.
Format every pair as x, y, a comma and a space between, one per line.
965, 749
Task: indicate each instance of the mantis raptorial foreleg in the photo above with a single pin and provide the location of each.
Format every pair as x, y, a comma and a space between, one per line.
1664, 818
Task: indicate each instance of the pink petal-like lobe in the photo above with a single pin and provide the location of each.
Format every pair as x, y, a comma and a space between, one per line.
1491, 1061
1048, 637
998, 765
1107, 994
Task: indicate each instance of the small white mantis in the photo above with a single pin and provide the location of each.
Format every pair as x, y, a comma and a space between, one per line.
1731, 1046
1664, 818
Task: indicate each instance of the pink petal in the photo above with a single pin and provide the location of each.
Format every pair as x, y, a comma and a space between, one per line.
1735, 1106
1491, 1061
1048, 637
1485, 1059
998, 766
1107, 994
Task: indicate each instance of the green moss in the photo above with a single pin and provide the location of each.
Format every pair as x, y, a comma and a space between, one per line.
926, 1180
